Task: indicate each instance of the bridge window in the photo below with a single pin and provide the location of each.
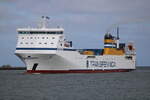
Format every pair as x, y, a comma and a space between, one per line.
60, 32
23, 32
40, 32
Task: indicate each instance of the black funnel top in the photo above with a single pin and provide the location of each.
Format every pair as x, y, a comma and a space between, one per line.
108, 36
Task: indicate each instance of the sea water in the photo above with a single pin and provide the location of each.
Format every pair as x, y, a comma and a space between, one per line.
134, 85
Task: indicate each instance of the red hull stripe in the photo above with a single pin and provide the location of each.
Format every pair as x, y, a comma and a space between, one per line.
78, 71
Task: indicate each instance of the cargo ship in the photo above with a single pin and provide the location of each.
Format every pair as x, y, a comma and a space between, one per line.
46, 50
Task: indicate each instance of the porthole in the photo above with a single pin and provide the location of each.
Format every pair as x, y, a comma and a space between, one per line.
52, 43
40, 43
22, 37
53, 37
45, 43
42, 37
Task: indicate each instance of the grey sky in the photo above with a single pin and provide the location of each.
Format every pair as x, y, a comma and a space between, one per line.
85, 22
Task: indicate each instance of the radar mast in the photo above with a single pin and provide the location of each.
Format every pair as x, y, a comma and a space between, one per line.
43, 22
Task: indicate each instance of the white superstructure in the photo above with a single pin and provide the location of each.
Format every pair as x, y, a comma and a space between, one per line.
45, 50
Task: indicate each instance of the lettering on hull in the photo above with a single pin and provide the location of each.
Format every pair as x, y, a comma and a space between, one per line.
102, 63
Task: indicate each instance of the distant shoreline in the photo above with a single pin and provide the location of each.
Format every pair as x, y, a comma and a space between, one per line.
13, 68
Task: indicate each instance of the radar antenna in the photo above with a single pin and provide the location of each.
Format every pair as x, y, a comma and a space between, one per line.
44, 22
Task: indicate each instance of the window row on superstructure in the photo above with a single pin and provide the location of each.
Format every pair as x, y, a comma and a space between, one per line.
38, 37
33, 43
42, 32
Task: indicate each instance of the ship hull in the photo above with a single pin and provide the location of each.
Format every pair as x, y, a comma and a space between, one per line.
74, 62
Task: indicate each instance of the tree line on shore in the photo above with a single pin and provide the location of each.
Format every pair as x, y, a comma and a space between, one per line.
6, 66
9, 67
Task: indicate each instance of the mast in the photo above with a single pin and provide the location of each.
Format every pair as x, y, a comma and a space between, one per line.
44, 21
117, 37
118, 32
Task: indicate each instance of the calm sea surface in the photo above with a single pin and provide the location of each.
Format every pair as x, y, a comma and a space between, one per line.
135, 85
